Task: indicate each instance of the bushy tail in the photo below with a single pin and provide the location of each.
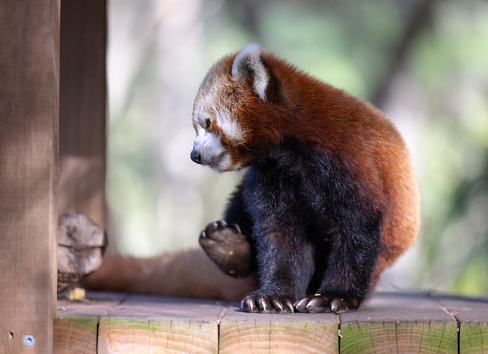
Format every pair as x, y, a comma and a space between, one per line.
185, 273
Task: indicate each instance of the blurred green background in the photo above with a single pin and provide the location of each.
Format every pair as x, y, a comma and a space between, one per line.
423, 62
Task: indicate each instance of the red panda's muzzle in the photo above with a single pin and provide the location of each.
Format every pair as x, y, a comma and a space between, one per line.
209, 151
196, 156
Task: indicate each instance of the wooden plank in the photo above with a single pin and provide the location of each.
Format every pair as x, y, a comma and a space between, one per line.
472, 316
144, 324
29, 114
83, 108
387, 323
294, 333
398, 324
76, 325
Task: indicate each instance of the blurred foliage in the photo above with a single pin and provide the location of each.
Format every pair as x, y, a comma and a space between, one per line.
449, 66
436, 93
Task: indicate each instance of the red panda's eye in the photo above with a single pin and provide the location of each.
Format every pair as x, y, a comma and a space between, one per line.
207, 124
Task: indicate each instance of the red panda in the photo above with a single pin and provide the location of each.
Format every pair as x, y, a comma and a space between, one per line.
328, 199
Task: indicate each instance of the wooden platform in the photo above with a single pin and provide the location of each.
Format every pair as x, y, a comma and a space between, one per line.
387, 323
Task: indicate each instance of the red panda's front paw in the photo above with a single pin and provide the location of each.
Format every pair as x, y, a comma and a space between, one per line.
324, 303
227, 247
261, 302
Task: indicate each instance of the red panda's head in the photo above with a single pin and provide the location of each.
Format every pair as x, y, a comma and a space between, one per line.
234, 88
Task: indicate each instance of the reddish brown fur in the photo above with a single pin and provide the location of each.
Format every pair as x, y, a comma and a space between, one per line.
188, 274
335, 121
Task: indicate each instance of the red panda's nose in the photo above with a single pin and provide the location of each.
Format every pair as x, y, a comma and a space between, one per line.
196, 157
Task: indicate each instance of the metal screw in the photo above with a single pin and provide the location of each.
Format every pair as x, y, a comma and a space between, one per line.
29, 340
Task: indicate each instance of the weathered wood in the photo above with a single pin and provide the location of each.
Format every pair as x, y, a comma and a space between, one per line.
81, 244
83, 108
398, 324
387, 323
29, 113
472, 316
76, 325
293, 333
157, 325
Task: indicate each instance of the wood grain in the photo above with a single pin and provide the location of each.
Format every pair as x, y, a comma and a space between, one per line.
29, 114
398, 324
294, 333
76, 325
83, 108
145, 324
472, 316
388, 323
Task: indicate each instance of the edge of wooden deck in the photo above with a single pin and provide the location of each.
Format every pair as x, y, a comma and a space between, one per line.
389, 322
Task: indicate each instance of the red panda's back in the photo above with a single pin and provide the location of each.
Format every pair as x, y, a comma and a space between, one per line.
368, 143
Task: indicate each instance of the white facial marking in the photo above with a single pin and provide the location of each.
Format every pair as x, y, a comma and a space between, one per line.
207, 144
212, 152
225, 164
229, 127
210, 107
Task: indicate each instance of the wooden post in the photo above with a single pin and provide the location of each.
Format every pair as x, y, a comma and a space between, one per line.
83, 108
29, 115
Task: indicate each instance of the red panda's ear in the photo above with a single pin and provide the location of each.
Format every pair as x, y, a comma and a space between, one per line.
248, 64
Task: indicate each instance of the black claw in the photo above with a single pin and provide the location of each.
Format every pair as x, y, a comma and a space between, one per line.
300, 305
263, 305
290, 306
277, 304
321, 303
334, 305
248, 305
262, 302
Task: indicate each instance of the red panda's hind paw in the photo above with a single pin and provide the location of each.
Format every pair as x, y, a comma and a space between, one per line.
323, 303
257, 302
227, 247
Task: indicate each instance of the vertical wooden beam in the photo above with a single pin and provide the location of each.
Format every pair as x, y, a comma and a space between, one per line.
83, 108
29, 115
